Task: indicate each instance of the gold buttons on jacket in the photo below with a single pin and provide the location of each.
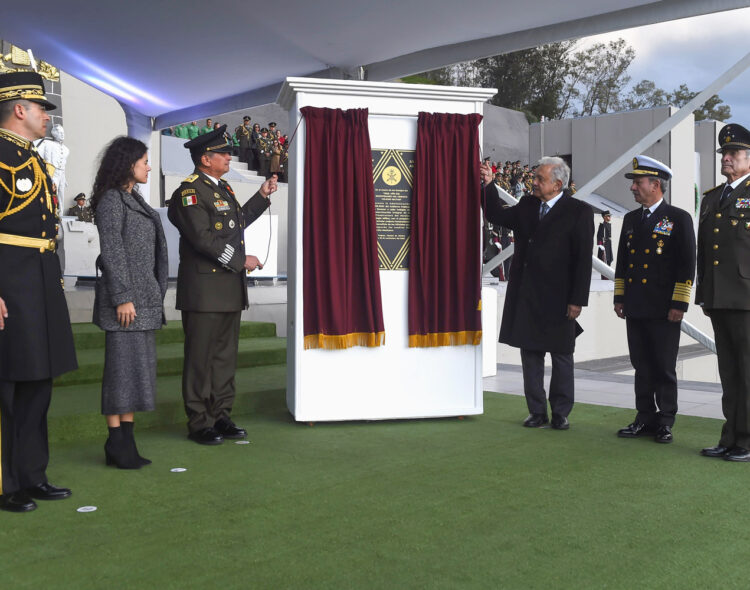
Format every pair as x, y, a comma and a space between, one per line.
716, 246
718, 215
44, 234
716, 230
647, 251
643, 281
630, 266
645, 266
213, 270
716, 263
44, 217
632, 251
630, 280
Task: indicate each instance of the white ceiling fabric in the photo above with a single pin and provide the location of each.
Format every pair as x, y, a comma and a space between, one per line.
177, 61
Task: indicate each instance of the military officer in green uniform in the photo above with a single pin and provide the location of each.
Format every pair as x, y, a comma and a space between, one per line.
653, 278
243, 133
212, 284
36, 341
723, 288
264, 153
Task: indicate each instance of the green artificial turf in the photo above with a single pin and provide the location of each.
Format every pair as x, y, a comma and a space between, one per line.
474, 503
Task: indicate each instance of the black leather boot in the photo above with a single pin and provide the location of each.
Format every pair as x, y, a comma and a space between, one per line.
118, 452
127, 433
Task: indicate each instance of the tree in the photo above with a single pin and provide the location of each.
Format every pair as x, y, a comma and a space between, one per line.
713, 108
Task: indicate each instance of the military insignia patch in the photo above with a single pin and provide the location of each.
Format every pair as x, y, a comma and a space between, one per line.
191, 200
742, 203
217, 196
231, 223
187, 192
664, 227
734, 221
191, 178
221, 205
218, 225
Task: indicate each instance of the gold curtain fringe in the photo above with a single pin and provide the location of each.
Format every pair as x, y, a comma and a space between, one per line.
342, 341
445, 339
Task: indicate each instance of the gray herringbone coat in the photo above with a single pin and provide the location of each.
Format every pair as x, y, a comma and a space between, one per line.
133, 262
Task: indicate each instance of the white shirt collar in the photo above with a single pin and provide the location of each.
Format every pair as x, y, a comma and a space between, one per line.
737, 182
655, 206
216, 180
553, 200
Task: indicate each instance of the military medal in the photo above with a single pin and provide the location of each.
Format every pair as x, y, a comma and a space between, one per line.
217, 196
734, 221
659, 246
24, 184
231, 223
222, 205
747, 225
218, 225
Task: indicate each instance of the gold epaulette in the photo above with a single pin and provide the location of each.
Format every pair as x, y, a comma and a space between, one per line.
191, 178
15, 139
682, 291
711, 189
619, 286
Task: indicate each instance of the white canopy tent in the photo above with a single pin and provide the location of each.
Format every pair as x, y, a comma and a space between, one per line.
169, 62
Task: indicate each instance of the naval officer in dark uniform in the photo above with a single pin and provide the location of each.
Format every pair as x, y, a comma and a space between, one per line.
604, 239
653, 278
36, 342
212, 284
723, 289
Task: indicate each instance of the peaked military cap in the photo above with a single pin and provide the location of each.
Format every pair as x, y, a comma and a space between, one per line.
264, 130
213, 141
605, 213
272, 124
80, 197
245, 118
645, 166
734, 137
24, 86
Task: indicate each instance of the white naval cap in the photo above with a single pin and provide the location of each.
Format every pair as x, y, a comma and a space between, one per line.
645, 166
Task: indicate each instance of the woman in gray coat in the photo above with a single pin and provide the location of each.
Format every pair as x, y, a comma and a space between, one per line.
129, 300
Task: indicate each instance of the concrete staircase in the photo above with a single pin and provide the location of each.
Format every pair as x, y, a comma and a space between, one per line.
242, 169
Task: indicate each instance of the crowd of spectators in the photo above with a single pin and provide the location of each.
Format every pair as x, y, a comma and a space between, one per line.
265, 150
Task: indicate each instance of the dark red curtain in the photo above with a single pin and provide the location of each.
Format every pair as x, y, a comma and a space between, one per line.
341, 280
445, 257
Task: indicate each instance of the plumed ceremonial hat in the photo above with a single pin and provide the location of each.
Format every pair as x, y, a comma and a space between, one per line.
213, 141
733, 136
24, 86
645, 166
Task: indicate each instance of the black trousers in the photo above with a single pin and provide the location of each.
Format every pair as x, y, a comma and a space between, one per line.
23, 433
653, 345
561, 385
245, 155
732, 336
211, 342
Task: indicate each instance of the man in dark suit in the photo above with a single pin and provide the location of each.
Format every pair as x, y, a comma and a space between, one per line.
36, 342
549, 284
724, 287
211, 284
604, 239
653, 278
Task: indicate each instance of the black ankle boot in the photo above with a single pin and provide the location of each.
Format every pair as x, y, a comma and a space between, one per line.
117, 452
127, 433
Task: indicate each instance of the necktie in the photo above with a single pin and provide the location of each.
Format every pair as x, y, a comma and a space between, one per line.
544, 210
646, 213
726, 192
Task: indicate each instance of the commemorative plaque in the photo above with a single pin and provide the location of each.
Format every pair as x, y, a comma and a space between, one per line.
393, 177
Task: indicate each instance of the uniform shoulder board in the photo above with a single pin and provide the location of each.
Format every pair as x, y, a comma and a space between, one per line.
711, 189
191, 178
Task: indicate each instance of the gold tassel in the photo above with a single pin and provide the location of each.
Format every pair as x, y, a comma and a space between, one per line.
342, 341
473, 338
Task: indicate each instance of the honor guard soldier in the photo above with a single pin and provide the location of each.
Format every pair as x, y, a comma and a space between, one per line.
264, 153
212, 284
243, 133
723, 289
604, 239
653, 278
36, 341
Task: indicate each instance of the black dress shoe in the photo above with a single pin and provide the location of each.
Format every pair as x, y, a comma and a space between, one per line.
664, 434
229, 429
560, 422
535, 420
46, 491
206, 436
17, 502
635, 430
717, 451
738, 454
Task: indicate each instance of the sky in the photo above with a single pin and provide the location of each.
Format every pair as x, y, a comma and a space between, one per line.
693, 51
